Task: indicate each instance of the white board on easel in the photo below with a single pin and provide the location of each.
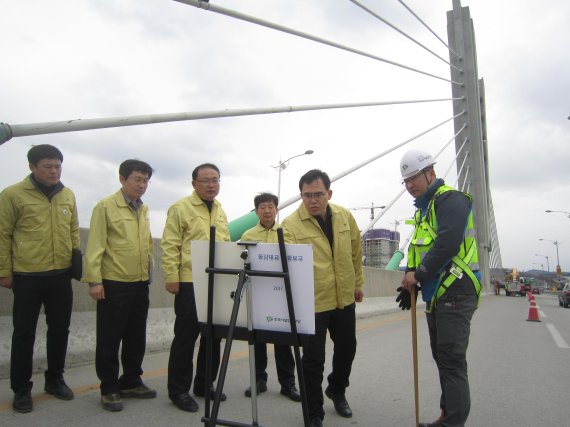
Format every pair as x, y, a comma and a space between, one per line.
268, 293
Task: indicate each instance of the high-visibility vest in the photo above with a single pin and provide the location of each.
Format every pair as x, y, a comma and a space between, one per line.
425, 233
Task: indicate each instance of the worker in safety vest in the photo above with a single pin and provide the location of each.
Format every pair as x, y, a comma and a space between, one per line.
442, 258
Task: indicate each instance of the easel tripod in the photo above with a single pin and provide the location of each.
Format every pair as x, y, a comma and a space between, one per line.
210, 418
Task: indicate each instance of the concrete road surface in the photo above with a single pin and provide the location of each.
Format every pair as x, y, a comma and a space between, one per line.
518, 372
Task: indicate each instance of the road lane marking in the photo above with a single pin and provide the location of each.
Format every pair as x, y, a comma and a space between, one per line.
556, 336
542, 314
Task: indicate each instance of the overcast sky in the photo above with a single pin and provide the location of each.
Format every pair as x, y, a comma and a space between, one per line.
65, 59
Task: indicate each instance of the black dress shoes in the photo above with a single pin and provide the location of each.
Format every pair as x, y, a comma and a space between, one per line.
199, 391
185, 402
316, 422
340, 404
22, 401
291, 392
58, 388
261, 387
436, 423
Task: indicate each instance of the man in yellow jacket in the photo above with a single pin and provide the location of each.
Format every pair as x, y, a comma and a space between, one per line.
266, 232
39, 230
337, 259
190, 219
118, 268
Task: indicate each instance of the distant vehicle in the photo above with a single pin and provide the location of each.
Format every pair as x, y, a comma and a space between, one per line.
512, 284
564, 296
536, 291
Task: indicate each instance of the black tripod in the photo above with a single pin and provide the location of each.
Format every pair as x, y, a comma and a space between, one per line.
210, 419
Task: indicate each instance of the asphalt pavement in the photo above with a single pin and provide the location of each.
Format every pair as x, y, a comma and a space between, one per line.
85, 409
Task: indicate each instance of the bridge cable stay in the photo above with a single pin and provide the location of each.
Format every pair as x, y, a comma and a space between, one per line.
399, 254
458, 152
357, 3
8, 131
258, 21
295, 198
395, 199
430, 30
463, 165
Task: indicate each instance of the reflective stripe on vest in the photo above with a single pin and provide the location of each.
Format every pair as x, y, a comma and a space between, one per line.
464, 262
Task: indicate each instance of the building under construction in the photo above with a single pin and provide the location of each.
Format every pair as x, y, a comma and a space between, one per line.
378, 246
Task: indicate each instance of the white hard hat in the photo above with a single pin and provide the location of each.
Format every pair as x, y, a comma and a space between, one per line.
414, 161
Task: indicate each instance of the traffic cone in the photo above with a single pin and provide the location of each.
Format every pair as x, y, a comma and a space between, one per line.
530, 297
533, 313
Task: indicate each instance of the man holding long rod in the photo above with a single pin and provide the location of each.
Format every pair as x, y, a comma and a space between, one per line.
442, 257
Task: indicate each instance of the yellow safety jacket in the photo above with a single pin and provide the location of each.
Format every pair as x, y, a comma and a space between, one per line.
189, 219
425, 234
36, 234
261, 234
119, 246
337, 270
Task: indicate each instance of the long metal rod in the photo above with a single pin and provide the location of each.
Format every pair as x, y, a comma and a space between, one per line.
209, 323
371, 12
429, 29
8, 131
251, 347
252, 19
415, 355
293, 323
213, 417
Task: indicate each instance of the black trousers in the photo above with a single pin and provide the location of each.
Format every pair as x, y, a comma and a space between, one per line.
284, 362
121, 322
341, 324
30, 293
449, 326
186, 331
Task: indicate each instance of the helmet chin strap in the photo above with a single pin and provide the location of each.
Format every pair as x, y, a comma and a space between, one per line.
427, 178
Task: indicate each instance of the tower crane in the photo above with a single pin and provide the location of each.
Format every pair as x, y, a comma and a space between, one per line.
371, 207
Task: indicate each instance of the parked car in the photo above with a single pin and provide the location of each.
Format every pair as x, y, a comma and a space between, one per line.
536, 291
564, 296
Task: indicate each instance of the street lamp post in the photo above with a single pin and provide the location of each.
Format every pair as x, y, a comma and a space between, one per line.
564, 212
282, 165
547, 263
556, 243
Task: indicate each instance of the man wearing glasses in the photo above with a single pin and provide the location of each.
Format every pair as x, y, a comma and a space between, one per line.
190, 219
443, 258
118, 268
337, 259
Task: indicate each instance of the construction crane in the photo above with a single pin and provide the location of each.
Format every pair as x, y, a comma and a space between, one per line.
371, 207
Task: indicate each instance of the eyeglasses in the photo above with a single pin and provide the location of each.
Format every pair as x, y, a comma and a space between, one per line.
412, 178
206, 181
309, 196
